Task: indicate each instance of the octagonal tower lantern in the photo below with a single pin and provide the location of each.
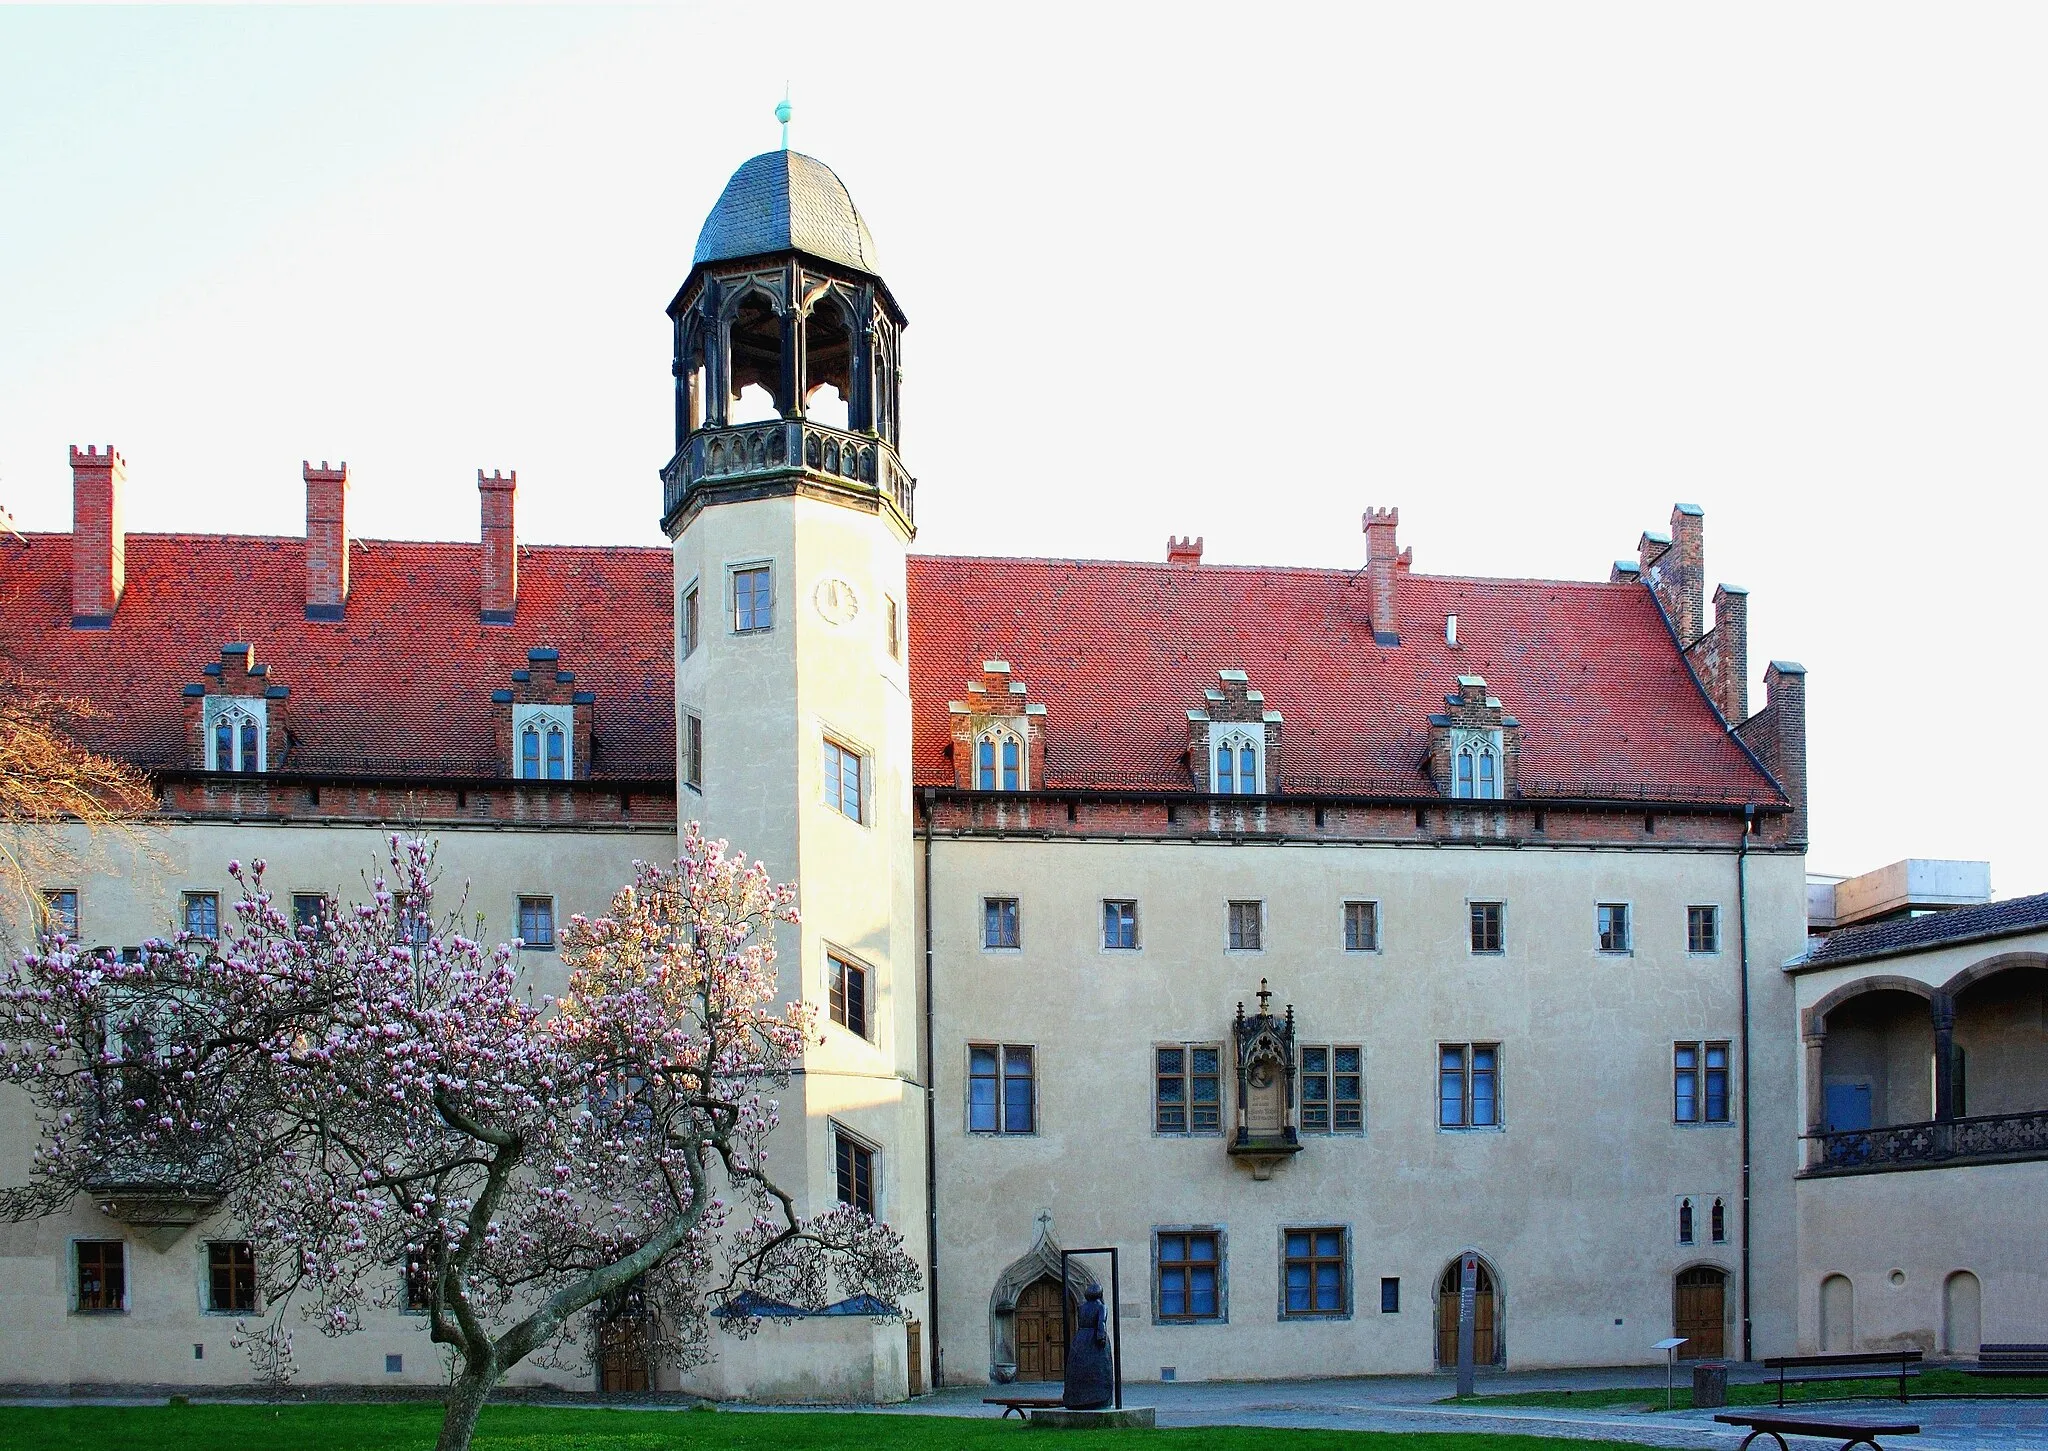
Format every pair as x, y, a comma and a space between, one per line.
786, 347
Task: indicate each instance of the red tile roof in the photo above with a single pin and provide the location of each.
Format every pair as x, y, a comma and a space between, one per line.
402, 683
1120, 652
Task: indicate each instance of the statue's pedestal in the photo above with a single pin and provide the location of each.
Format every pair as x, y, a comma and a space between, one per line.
1059, 1418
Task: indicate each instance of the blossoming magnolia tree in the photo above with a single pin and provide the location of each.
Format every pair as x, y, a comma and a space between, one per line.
379, 1092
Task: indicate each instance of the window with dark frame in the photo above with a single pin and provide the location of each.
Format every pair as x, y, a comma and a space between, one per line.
1468, 1086
693, 752
1247, 926
1611, 924
419, 1283
842, 779
102, 1275
537, 921
688, 625
1361, 927
1487, 933
1332, 1088
1699, 1083
1190, 1269
230, 1276
1390, 1295
1187, 1091
847, 993
1702, 929
854, 1169
1000, 1089
1314, 1272
753, 599
1717, 1223
309, 910
60, 911
1687, 1233
1120, 926
202, 915
999, 927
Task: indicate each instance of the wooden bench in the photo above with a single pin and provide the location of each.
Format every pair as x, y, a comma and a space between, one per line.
1995, 1360
1811, 1369
1018, 1405
1859, 1433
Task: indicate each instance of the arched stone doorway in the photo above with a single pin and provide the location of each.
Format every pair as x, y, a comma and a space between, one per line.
1489, 1338
1026, 1336
1699, 1312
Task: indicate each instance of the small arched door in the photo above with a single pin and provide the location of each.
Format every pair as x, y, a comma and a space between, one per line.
1962, 1314
1041, 1333
1485, 1317
1699, 1311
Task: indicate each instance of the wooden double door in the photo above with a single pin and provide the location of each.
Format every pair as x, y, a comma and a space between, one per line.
1485, 1318
1041, 1333
1699, 1313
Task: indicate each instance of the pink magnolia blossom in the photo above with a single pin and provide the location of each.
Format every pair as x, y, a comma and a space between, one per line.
379, 1105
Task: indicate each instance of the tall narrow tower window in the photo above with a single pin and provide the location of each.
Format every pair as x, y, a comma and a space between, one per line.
557, 753
529, 753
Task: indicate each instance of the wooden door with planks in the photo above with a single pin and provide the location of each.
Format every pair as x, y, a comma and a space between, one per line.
1041, 1333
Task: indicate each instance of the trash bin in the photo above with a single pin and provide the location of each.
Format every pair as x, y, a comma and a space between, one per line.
1709, 1385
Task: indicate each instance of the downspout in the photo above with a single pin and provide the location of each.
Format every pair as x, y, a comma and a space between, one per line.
931, 1132
1742, 930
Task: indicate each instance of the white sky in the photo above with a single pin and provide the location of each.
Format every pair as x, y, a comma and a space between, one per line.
1531, 273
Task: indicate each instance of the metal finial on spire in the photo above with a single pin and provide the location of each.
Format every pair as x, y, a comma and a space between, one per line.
782, 114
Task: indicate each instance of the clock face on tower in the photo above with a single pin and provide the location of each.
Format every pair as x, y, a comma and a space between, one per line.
835, 601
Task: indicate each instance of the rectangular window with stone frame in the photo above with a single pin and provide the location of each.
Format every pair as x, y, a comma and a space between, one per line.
693, 751
1361, 927
999, 924
1332, 1088
1702, 929
853, 1164
230, 1277
1247, 926
687, 624
1489, 928
1001, 1089
1187, 1089
1188, 1286
846, 993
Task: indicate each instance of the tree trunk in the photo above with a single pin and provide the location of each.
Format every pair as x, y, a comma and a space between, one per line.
465, 1401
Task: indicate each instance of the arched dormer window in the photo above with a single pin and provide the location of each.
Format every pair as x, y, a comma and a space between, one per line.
999, 762
544, 739
234, 735
1240, 762
1476, 766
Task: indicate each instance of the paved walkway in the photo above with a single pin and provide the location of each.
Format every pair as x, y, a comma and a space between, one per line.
1408, 1403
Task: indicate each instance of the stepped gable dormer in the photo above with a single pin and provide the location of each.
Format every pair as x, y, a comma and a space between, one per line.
235, 716
1475, 745
544, 721
1234, 741
998, 734
787, 352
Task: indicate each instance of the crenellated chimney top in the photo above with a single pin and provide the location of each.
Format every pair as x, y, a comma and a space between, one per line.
1183, 551
1382, 561
500, 496
98, 541
327, 542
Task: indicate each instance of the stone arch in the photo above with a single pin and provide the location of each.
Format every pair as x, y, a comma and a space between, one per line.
1976, 972
1444, 1320
1814, 1021
1704, 1341
751, 324
830, 332
1040, 1262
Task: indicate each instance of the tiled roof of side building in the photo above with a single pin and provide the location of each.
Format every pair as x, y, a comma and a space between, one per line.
1118, 653
1933, 930
401, 684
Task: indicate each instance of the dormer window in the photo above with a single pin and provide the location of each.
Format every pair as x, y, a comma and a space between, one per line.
234, 734
1240, 771
1476, 766
543, 738
999, 762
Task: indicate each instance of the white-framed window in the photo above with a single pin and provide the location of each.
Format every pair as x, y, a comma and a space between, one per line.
688, 622
845, 769
201, 915
235, 734
1238, 758
999, 761
1611, 928
1477, 765
753, 598
1361, 926
693, 751
544, 742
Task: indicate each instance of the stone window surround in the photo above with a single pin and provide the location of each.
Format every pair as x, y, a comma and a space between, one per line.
1003, 1079
1181, 1322
1378, 926
1715, 909
847, 745
838, 1131
1017, 904
1500, 1097
1499, 902
540, 718
257, 709
1628, 929
1285, 1316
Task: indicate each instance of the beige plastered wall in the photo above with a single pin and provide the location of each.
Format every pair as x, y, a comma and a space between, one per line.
1899, 1235
1572, 1203
133, 892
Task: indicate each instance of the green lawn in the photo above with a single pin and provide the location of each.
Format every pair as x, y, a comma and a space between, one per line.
1933, 1381
411, 1427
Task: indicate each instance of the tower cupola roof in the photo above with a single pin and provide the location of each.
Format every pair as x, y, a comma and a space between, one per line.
784, 201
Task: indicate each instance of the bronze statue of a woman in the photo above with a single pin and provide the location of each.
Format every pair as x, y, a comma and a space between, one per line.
1089, 1386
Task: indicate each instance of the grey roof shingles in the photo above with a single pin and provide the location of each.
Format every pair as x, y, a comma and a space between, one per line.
783, 201
1936, 929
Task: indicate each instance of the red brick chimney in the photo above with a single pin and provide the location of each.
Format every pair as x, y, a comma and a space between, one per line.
1185, 552
1382, 560
501, 546
98, 542
326, 541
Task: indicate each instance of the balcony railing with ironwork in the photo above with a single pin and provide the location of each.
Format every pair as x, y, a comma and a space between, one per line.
740, 451
1985, 1139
